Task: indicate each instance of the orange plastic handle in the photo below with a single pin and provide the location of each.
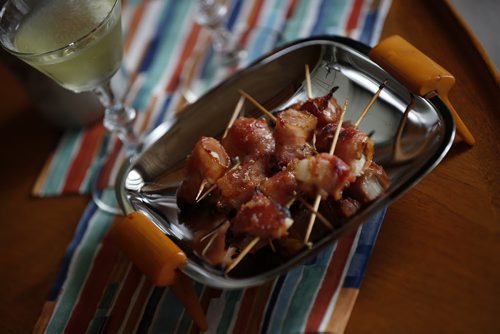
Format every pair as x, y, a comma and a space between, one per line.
148, 248
419, 73
158, 257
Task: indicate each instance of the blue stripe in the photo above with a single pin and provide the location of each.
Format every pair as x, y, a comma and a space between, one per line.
234, 12
169, 311
160, 118
150, 310
272, 302
77, 238
368, 26
323, 11
280, 310
367, 237
166, 19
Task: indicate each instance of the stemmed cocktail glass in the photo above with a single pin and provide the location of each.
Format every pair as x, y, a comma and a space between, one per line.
77, 43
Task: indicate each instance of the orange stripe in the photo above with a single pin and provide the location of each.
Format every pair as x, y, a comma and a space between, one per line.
42, 177
89, 148
134, 24
188, 49
43, 319
343, 309
331, 281
252, 20
205, 299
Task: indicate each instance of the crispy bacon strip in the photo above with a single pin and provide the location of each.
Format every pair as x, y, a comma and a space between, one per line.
249, 138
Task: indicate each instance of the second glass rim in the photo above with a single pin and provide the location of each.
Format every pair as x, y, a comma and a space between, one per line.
59, 49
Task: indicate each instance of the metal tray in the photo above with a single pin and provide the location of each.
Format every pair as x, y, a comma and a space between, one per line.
408, 144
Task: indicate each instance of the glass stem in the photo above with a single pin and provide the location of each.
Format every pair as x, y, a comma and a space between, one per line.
118, 118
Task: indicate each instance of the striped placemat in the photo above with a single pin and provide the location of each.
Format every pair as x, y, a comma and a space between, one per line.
99, 291
164, 48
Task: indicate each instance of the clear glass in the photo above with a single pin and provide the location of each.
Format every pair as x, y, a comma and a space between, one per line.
77, 43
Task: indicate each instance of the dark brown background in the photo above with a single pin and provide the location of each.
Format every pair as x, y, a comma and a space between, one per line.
436, 264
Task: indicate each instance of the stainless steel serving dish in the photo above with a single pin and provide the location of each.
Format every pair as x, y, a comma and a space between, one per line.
408, 144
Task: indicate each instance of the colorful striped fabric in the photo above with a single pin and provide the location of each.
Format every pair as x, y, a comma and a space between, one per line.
165, 52
97, 289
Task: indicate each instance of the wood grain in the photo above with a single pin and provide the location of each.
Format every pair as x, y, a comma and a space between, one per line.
436, 264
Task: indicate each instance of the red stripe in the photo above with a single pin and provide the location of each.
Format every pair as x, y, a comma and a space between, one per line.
291, 9
352, 22
122, 303
251, 21
91, 294
134, 24
330, 282
186, 52
246, 306
89, 147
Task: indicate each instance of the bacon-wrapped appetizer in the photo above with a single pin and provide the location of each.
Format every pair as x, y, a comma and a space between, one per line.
238, 186
294, 130
207, 163
325, 108
323, 174
261, 217
354, 146
370, 185
281, 187
249, 138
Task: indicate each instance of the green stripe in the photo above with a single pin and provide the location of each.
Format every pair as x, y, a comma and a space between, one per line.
61, 164
80, 265
232, 299
303, 296
294, 24
170, 41
337, 9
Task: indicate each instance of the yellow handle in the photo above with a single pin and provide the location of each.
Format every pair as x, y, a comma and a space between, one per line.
419, 73
148, 248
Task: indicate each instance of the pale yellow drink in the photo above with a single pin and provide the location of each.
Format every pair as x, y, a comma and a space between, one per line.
89, 52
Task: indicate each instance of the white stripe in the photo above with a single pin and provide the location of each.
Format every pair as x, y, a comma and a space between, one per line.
383, 9
176, 53
333, 301
143, 35
215, 312
310, 19
133, 300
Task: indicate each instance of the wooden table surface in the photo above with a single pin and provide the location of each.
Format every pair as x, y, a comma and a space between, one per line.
436, 264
